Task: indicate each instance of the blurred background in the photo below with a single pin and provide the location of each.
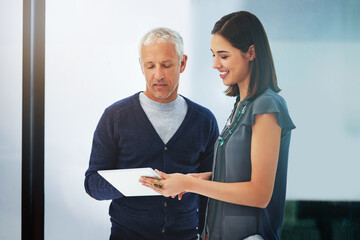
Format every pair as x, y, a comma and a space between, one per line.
92, 61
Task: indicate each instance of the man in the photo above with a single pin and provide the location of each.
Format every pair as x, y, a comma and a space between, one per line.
156, 128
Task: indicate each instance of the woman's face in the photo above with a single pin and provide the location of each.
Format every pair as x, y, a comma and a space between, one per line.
234, 65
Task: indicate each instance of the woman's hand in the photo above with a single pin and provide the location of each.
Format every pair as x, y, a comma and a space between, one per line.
171, 184
203, 176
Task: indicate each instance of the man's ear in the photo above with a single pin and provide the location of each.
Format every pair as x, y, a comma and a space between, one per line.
252, 53
183, 63
142, 70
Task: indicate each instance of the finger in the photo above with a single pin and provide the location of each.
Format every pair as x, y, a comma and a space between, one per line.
146, 179
143, 180
158, 184
147, 184
162, 174
195, 175
181, 195
156, 189
160, 192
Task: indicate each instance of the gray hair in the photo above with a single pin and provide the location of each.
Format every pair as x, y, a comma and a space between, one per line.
163, 34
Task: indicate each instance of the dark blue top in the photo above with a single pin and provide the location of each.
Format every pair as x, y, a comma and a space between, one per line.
125, 138
233, 164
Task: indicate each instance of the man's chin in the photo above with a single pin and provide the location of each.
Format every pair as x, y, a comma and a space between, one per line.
161, 96
164, 98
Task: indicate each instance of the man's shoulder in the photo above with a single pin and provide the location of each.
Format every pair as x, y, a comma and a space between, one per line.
124, 104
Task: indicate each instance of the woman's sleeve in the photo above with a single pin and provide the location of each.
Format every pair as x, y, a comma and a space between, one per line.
269, 104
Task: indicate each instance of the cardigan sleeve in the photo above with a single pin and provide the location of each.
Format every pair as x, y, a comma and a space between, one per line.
206, 162
103, 156
206, 157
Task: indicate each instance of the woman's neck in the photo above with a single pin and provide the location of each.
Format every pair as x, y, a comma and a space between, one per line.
243, 91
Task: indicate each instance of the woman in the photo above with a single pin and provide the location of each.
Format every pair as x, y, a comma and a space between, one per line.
248, 185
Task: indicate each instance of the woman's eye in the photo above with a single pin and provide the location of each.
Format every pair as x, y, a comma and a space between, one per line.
224, 57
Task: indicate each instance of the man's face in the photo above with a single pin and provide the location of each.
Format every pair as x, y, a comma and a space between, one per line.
161, 68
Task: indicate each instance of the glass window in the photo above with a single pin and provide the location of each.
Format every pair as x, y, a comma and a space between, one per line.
92, 61
10, 123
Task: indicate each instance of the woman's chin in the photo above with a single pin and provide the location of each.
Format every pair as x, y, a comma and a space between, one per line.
226, 83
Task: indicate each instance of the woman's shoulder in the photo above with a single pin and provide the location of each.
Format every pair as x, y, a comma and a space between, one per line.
269, 102
269, 97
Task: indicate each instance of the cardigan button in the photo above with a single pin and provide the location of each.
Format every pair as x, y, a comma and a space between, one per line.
163, 230
165, 148
165, 204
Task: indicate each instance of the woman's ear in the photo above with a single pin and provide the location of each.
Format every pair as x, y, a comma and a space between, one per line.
252, 54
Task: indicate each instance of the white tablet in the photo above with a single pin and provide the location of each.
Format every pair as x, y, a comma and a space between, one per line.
127, 180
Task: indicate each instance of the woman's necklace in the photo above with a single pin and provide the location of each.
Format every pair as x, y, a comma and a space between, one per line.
232, 121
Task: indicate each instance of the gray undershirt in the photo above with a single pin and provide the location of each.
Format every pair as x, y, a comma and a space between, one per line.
165, 117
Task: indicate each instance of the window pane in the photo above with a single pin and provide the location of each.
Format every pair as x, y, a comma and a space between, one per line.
10, 123
92, 61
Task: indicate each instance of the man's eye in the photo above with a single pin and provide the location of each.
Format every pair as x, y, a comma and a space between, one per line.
167, 66
150, 67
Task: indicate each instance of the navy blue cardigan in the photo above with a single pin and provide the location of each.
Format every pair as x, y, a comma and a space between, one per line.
125, 138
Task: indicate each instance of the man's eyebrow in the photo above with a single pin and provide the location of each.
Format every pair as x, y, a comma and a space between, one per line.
167, 61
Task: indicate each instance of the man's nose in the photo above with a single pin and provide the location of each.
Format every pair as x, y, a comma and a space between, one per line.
159, 74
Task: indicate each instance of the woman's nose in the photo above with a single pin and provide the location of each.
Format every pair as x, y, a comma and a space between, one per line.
216, 63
